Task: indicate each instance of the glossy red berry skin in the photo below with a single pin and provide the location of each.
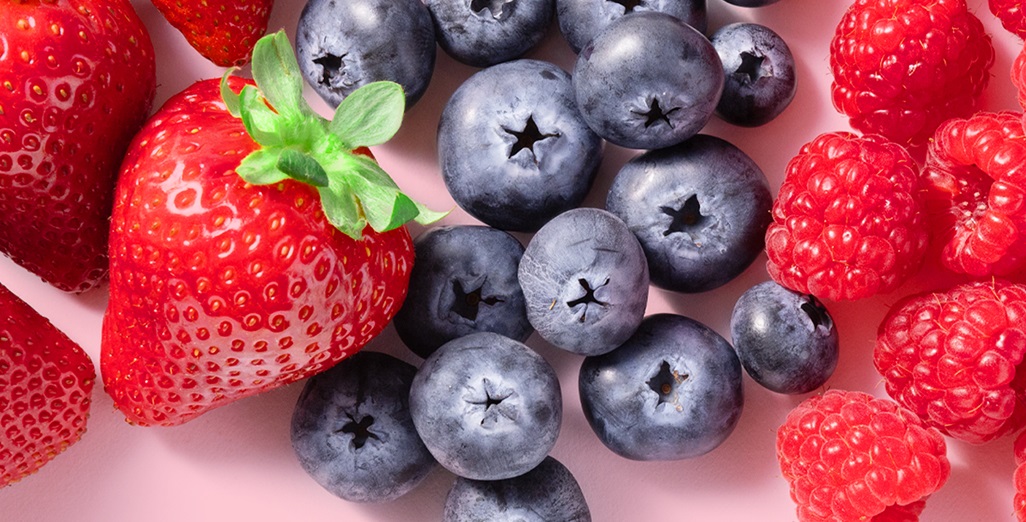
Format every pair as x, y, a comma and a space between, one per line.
851, 456
77, 80
953, 357
46, 384
848, 220
220, 289
901, 67
974, 183
222, 32
1019, 477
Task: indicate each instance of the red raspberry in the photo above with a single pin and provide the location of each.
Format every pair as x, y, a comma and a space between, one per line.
848, 221
953, 358
1018, 74
901, 67
1011, 14
975, 191
1019, 477
850, 456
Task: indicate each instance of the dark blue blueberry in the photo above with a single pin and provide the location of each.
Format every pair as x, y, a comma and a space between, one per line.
759, 72
342, 45
582, 20
787, 341
585, 280
700, 210
673, 391
648, 81
487, 32
547, 493
486, 406
353, 433
513, 148
464, 280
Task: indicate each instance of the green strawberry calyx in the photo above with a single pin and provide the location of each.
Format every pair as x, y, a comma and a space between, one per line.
297, 143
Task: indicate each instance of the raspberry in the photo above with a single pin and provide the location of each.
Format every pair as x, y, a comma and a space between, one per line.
953, 358
848, 220
901, 67
1018, 74
1011, 14
975, 191
850, 456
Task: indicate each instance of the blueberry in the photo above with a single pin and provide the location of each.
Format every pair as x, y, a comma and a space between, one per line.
549, 492
513, 147
673, 391
648, 81
582, 20
342, 45
487, 32
700, 210
486, 406
787, 341
352, 431
759, 73
585, 280
464, 281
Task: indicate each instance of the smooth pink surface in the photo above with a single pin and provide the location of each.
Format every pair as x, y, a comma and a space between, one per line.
236, 463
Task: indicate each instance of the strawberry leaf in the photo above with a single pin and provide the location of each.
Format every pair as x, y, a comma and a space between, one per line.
261, 167
370, 115
276, 71
301, 167
260, 121
231, 99
341, 208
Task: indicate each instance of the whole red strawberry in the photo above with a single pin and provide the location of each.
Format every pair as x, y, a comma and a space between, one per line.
953, 357
901, 67
975, 186
78, 81
223, 32
849, 456
227, 279
848, 219
1011, 14
46, 383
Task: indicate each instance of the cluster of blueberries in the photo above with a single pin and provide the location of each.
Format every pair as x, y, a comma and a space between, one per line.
689, 215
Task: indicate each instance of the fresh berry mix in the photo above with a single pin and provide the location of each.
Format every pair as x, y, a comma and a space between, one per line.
975, 187
344, 45
580, 21
486, 33
952, 357
46, 385
700, 210
486, 406
1011, 14
547, 492
760, 73
787, 341
848, 221
901, 67
69, 105
672, 391
850, 456
513, 148
352, 431
464, 280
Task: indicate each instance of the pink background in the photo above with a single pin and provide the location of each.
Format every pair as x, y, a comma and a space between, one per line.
236, 463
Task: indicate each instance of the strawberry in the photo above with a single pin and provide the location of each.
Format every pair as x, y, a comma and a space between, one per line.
78, 81
223, 32
247, 254
46, 383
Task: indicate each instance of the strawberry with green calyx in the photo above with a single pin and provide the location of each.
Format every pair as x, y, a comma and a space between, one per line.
227, 278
